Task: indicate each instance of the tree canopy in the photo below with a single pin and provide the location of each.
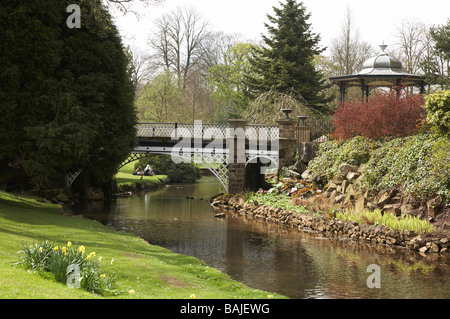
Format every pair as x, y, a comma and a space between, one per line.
66, 94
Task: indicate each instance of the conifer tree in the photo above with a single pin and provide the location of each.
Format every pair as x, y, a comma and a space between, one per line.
65, 93
286, 60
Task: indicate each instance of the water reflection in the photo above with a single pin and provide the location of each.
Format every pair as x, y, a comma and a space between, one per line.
270, 257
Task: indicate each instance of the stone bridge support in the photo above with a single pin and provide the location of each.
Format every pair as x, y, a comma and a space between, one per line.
286, 142
236, 164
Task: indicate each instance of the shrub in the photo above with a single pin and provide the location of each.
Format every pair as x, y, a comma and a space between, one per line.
419, 164
384, 115
331, 155
438, 108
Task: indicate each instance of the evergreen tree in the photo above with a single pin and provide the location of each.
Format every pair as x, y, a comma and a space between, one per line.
437, 65
286, 61
66, 92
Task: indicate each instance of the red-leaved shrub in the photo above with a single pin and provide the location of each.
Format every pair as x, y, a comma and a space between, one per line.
384, 115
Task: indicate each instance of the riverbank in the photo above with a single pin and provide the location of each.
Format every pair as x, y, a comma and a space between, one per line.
329, 226
148, 271
127, 182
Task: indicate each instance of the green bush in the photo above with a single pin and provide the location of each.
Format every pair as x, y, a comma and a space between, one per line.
418, 164
331, 155
438, 108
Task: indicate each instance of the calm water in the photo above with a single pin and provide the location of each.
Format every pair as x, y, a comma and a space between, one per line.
271, 257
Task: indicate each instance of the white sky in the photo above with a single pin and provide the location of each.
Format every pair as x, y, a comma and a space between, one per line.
376, 20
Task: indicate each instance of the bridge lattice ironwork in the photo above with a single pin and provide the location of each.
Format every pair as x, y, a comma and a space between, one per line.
216, 160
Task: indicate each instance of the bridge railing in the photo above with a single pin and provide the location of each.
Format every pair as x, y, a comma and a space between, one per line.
204, 131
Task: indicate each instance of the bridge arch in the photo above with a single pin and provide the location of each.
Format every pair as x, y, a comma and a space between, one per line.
215, 163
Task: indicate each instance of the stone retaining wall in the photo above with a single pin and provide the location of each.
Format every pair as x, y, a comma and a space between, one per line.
330, 227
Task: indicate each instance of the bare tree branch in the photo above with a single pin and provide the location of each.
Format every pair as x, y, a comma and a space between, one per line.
128, 6
348, 51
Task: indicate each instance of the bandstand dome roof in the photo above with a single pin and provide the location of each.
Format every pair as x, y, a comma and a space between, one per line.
381, 70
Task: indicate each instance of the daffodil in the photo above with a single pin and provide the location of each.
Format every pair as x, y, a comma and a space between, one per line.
131, 292
81, 249
100, 258
103, 275
192, 296
40, 249
69, 244
64, 250
112, 260
90, 256
55, 248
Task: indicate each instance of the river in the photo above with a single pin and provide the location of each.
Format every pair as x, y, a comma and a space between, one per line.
270, 257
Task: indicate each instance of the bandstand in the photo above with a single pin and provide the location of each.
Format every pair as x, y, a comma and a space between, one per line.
382, 70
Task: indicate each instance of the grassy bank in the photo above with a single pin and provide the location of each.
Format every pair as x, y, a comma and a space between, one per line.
149, 271
126, 180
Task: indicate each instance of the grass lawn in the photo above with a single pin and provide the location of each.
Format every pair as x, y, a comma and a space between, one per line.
150, 271
125, 177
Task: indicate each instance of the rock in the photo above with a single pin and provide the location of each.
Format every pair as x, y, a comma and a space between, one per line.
306, 175
294, 173
383, 200
220, 215
331, 187
353, 176
361, 204
344, 186
339, 199
406, 209
333, 196
394, 209
350, 190
237, 200
423, 249
434, 248
434, 208
349, 198
307, 152
344, 169
444, 242
337, 179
